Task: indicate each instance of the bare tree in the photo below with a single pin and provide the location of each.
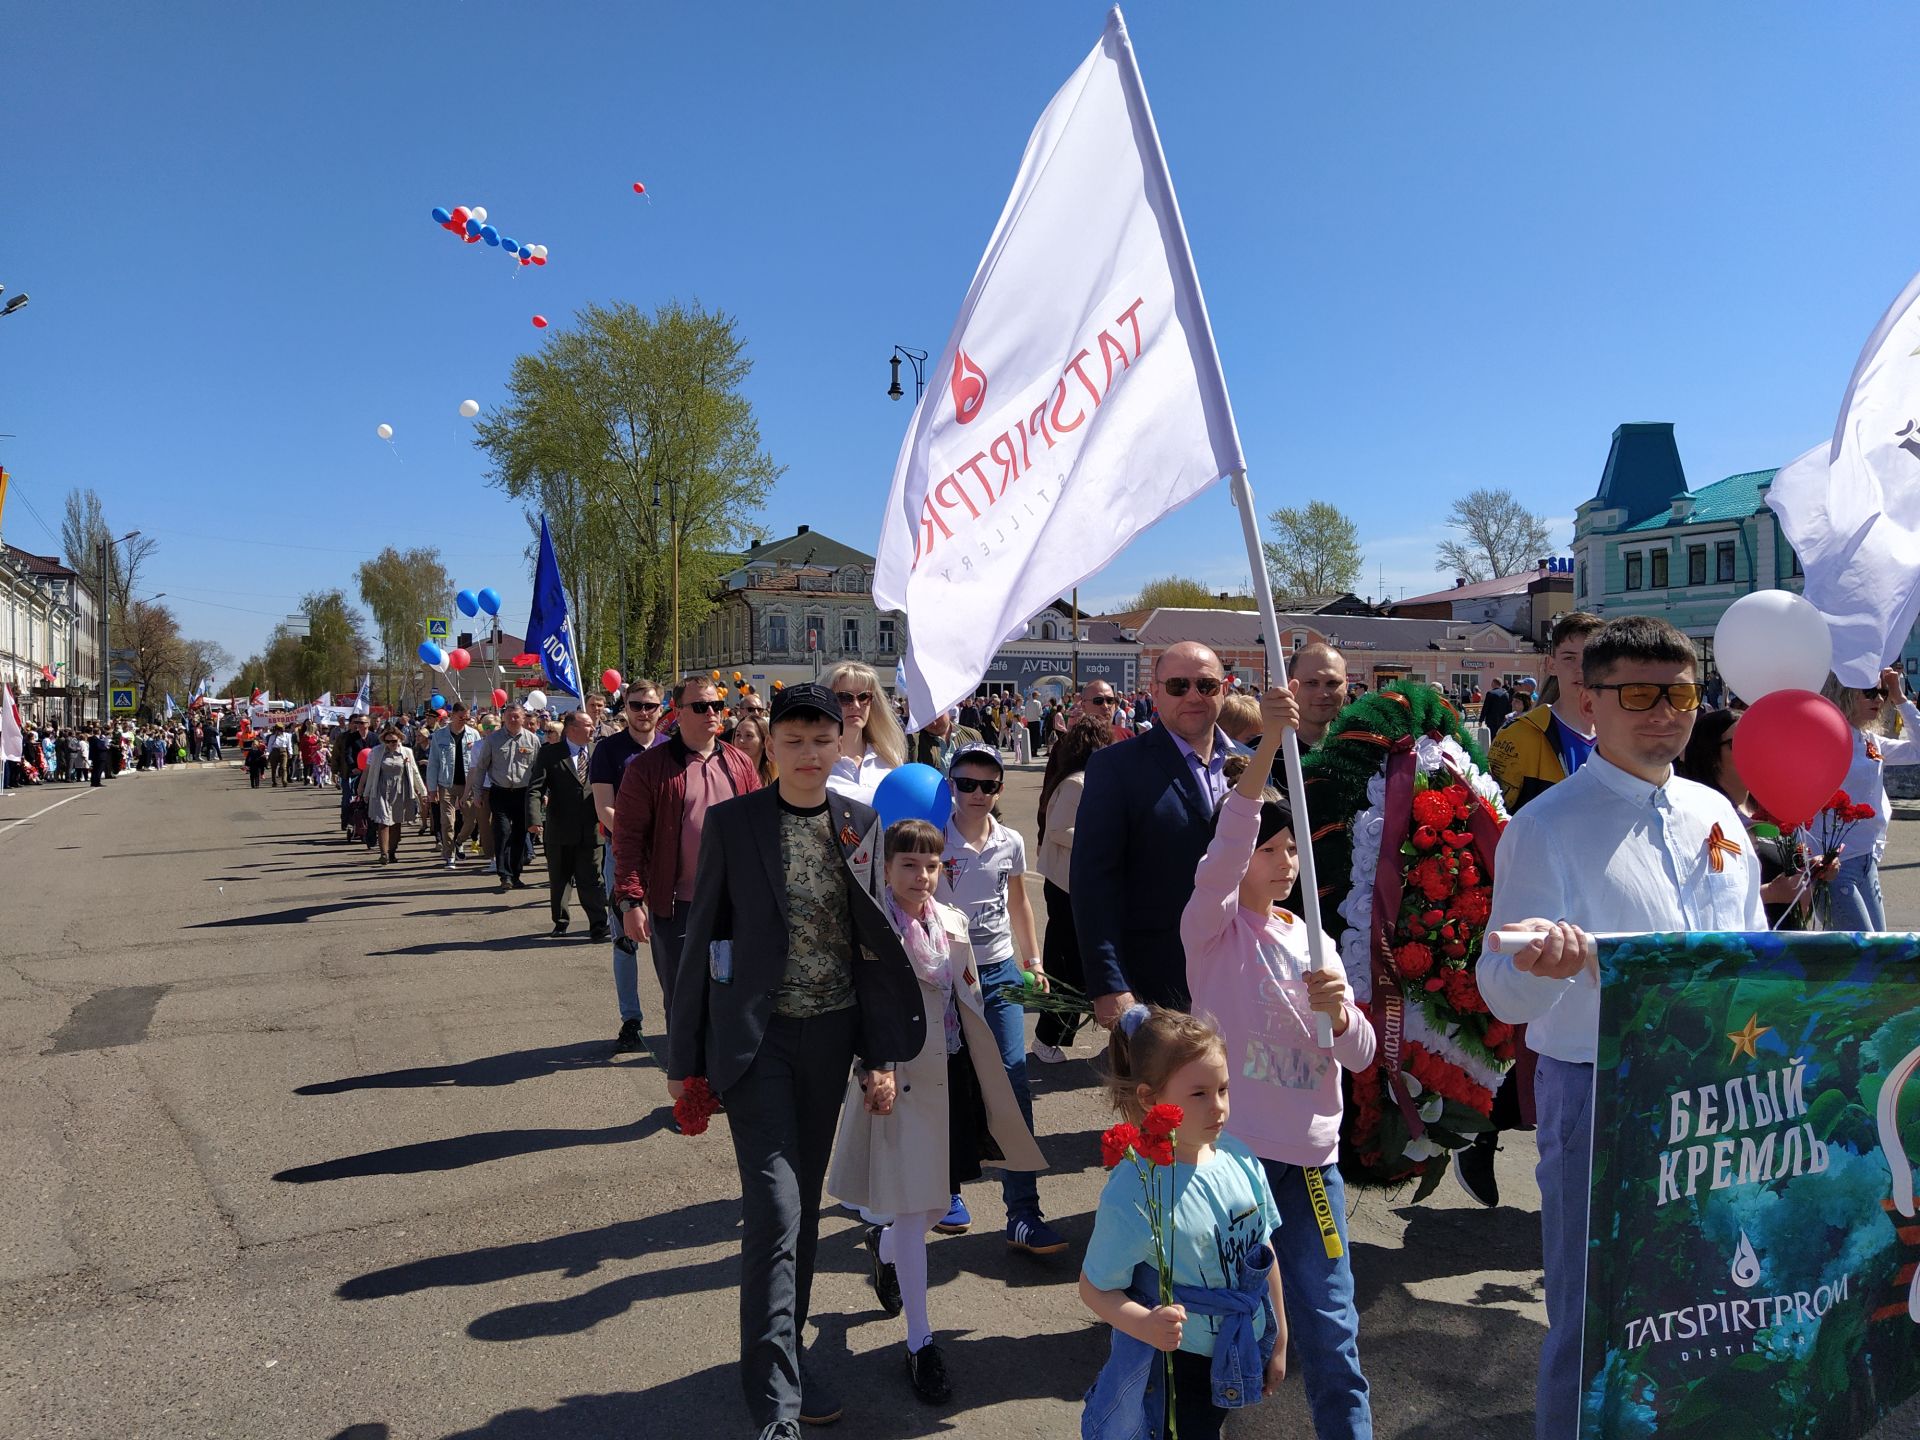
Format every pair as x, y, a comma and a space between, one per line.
149, 639
1499, 536
1315, 551
82, 531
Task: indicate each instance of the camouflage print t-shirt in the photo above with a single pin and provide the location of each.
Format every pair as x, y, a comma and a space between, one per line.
819, 974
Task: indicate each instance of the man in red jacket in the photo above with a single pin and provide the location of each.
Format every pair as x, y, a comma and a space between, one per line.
659, 812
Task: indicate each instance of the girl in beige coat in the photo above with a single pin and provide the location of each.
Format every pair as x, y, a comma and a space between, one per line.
952, 1106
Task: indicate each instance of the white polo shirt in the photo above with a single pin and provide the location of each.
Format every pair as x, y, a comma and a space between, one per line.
976, 881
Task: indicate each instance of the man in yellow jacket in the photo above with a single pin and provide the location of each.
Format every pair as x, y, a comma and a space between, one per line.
1533, 752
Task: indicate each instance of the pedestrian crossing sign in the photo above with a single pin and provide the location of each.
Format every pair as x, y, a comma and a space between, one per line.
438, 627
122, 700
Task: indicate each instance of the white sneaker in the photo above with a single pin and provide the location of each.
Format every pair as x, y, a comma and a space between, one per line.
492, 868
1049, 1054
453, 862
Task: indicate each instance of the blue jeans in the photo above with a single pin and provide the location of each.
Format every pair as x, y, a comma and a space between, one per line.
1563, 1101
1857, 903
1019, 1189
1323, 1327
626, 963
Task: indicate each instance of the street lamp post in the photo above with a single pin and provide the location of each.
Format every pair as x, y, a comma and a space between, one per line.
14, 302
915, 358
673, 542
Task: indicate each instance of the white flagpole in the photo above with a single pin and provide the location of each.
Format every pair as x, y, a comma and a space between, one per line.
1290, 747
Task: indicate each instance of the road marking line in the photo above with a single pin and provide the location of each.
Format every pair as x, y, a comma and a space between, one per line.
38, 813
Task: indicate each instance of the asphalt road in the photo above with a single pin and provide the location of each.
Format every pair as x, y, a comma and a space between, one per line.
296, 1146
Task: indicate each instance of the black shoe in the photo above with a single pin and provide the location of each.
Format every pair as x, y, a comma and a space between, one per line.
518, 883
629, 1036
559, 931
1473, 1168
927, 1369
599, 937
818, 1404
886, 1282
504, 886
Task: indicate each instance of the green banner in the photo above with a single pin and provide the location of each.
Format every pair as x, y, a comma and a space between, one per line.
1752, 1243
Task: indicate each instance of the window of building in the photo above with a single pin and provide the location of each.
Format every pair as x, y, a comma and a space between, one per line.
886, 637
1793, 562
1583, 577
816, 633
1696, 564
1048, 631
1723, 561
1635, 562
850, 636
777, 633
1658, 581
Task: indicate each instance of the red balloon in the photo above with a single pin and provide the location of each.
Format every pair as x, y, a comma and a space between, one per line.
473, 239
638, 188
539, 259
362, 761
459, 659
1793, 749
499, 698
459, 216
539, 322
609, 679
526, 259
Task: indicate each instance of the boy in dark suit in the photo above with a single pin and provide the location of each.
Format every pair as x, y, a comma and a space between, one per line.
568, 825
788, 971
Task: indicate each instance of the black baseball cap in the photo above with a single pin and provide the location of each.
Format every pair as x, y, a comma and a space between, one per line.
802, 700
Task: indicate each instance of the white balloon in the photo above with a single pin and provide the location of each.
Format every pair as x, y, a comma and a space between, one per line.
479, 212
440, 665
385, 432
541, 251
536, 700
1772, 640
469, 408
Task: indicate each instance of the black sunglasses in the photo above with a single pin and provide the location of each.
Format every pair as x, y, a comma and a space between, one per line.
1879, 692
1180, 684
643, 705
967, 784
1102, 700
847, 697
706, 707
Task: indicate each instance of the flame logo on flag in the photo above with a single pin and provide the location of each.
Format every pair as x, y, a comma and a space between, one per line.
969, 387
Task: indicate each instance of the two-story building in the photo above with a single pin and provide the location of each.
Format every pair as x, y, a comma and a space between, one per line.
38, 600
794, 608
1526, 603
1647, 545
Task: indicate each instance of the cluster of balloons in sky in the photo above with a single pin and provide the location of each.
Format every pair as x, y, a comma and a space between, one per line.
1792, 746
470, 222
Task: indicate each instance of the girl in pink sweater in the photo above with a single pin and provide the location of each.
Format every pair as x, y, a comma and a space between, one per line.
1247, 967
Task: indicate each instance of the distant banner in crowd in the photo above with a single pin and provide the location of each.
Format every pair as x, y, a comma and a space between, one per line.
1751, 1269
1078, 399
550, 625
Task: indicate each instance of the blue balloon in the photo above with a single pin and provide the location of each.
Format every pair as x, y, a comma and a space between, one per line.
512, 247
429, 653
489, 234
441, 215
469, 604
439, 701
913, 792
473, 226
489, 599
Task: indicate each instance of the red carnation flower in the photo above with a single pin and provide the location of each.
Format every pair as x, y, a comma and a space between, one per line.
1413, 961
1116, 1142
1432, 809
1463, 993
1436, 983
1840, 801
695, 1106
1498, 1033
1156, 1151
1860, 812
1471, 907
1163, 1120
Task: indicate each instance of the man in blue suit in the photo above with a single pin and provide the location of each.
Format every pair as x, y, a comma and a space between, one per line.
1145, 820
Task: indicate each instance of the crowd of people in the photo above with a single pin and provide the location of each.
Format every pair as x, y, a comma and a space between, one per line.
93, 752
854, 995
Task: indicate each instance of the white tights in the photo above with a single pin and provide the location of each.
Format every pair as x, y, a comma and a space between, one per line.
903, 1245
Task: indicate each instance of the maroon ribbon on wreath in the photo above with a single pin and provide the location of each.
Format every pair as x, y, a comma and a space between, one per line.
1389, 881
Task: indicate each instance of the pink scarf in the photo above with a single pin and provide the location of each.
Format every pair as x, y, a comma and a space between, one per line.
925, 940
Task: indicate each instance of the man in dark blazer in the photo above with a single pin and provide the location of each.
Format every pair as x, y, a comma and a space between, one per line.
1145, 819
563, 815
788, 971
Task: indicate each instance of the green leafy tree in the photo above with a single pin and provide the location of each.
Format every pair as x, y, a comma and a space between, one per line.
402, 588
1178, 592
332, 654
1315, 550
631, 434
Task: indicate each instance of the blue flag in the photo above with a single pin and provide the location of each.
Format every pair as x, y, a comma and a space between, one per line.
550, 626
169, 714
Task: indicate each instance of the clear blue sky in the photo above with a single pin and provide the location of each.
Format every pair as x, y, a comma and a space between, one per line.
1444, 246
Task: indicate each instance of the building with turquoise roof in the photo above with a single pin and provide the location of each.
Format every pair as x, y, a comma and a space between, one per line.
1647, 545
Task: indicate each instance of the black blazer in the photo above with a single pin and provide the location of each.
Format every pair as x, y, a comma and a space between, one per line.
1143, 825
561, 803
740, 896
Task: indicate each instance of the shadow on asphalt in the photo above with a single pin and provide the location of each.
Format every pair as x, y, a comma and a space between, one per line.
572, 1255
502, 1069
463, 1150
299, 915
468, 947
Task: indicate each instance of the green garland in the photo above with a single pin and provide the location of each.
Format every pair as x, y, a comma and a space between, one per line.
1339, 768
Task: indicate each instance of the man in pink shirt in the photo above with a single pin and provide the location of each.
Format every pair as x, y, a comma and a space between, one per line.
659, 812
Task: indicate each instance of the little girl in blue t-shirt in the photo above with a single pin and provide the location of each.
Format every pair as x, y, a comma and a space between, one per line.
1222, 1216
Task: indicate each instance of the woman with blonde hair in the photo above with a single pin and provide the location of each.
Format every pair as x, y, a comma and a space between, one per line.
871, 740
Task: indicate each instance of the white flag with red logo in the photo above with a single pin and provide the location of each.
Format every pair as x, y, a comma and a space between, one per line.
1078, 400
12, 732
